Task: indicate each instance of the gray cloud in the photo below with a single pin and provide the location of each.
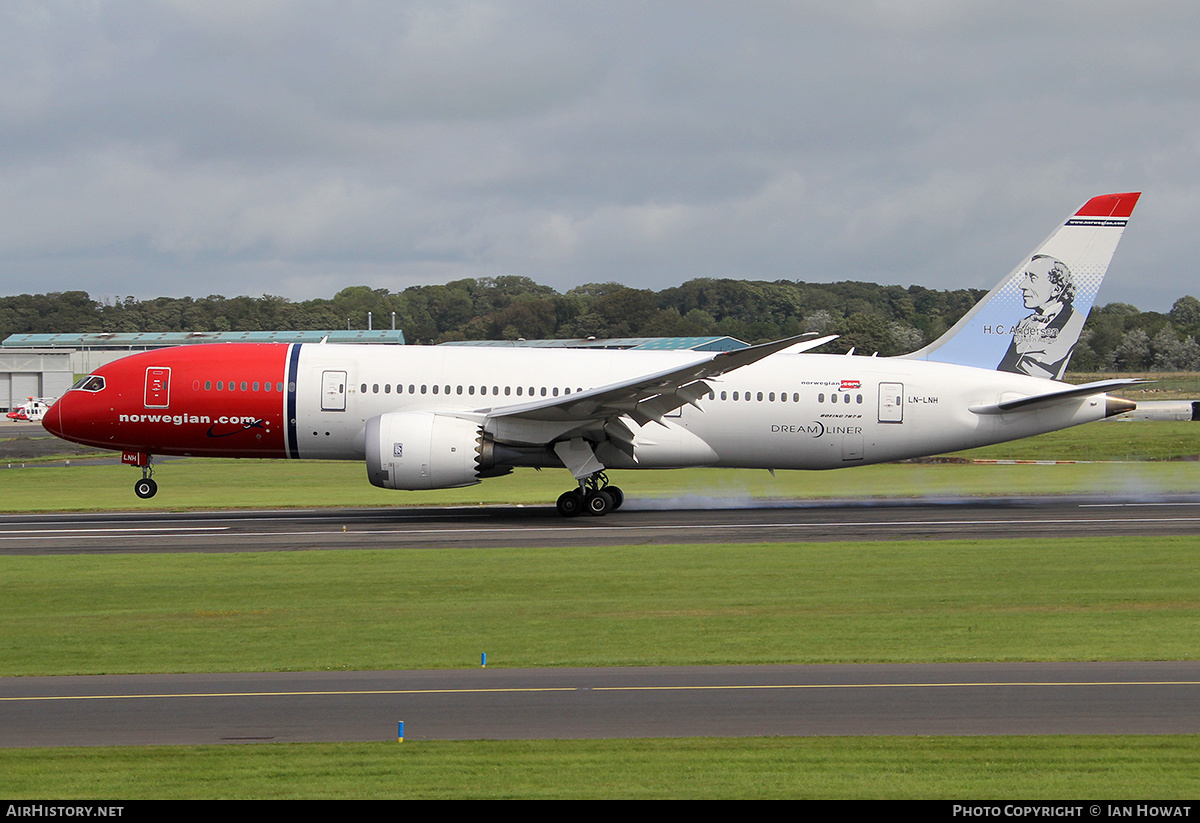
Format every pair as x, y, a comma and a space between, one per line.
298, 147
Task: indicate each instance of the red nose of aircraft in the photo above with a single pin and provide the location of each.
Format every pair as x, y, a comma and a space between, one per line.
52, 420
74, 417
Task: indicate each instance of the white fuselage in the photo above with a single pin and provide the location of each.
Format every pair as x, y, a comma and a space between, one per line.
788, 411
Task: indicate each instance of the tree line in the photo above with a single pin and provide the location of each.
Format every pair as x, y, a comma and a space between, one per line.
870, 318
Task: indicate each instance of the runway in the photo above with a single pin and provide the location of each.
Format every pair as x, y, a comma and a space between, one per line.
928, 699
640, 522
724, 701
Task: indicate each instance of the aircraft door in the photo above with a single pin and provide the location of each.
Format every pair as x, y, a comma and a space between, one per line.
158, 388
891, 402
852, 446
333, 391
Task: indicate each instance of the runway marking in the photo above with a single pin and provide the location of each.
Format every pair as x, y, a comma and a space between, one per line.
78, 534
816, 524
967, 685
1128, 505
492, 530
208, 531
527, 690
319, 693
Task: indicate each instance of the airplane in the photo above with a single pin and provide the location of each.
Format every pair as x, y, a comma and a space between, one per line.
434, 417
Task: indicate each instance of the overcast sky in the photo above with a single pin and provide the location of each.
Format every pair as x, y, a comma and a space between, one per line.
195, 147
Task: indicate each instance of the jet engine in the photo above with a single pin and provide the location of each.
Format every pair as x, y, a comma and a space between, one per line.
426, 450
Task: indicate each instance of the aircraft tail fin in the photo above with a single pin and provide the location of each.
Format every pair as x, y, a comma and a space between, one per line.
1031, 322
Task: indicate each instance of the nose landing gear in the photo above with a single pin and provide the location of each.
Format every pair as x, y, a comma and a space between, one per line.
146, 487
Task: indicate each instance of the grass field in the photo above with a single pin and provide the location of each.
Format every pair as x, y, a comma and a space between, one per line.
908, 601
960, 768
257, 484
198, 484
274, 484
1163, 385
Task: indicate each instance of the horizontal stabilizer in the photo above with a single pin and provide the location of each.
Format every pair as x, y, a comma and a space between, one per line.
1038, 401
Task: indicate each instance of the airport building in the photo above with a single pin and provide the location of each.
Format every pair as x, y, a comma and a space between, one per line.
26, 373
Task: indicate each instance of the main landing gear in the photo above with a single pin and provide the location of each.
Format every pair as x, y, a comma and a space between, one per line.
594, 496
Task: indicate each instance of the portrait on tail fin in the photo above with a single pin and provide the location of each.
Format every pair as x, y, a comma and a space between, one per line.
1043, 341
1031, 321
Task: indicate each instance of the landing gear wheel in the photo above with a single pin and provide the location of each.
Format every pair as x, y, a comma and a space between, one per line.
145, 488
599, 503
593, 496
570, 503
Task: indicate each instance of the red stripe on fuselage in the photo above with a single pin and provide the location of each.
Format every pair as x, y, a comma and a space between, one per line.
243, 418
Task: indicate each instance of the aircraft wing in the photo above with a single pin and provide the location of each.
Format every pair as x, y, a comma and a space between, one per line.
1038, 401
644, 399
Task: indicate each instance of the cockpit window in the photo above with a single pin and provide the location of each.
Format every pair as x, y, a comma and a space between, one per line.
92, 382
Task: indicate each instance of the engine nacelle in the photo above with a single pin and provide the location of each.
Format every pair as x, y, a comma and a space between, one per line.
422, 450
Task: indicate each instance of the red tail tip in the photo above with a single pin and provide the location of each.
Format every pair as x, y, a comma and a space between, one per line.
1110, 205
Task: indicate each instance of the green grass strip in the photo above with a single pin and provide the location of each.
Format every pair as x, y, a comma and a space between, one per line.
1003, 769
1037, 598
271, 484
1125, 440
205, 484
